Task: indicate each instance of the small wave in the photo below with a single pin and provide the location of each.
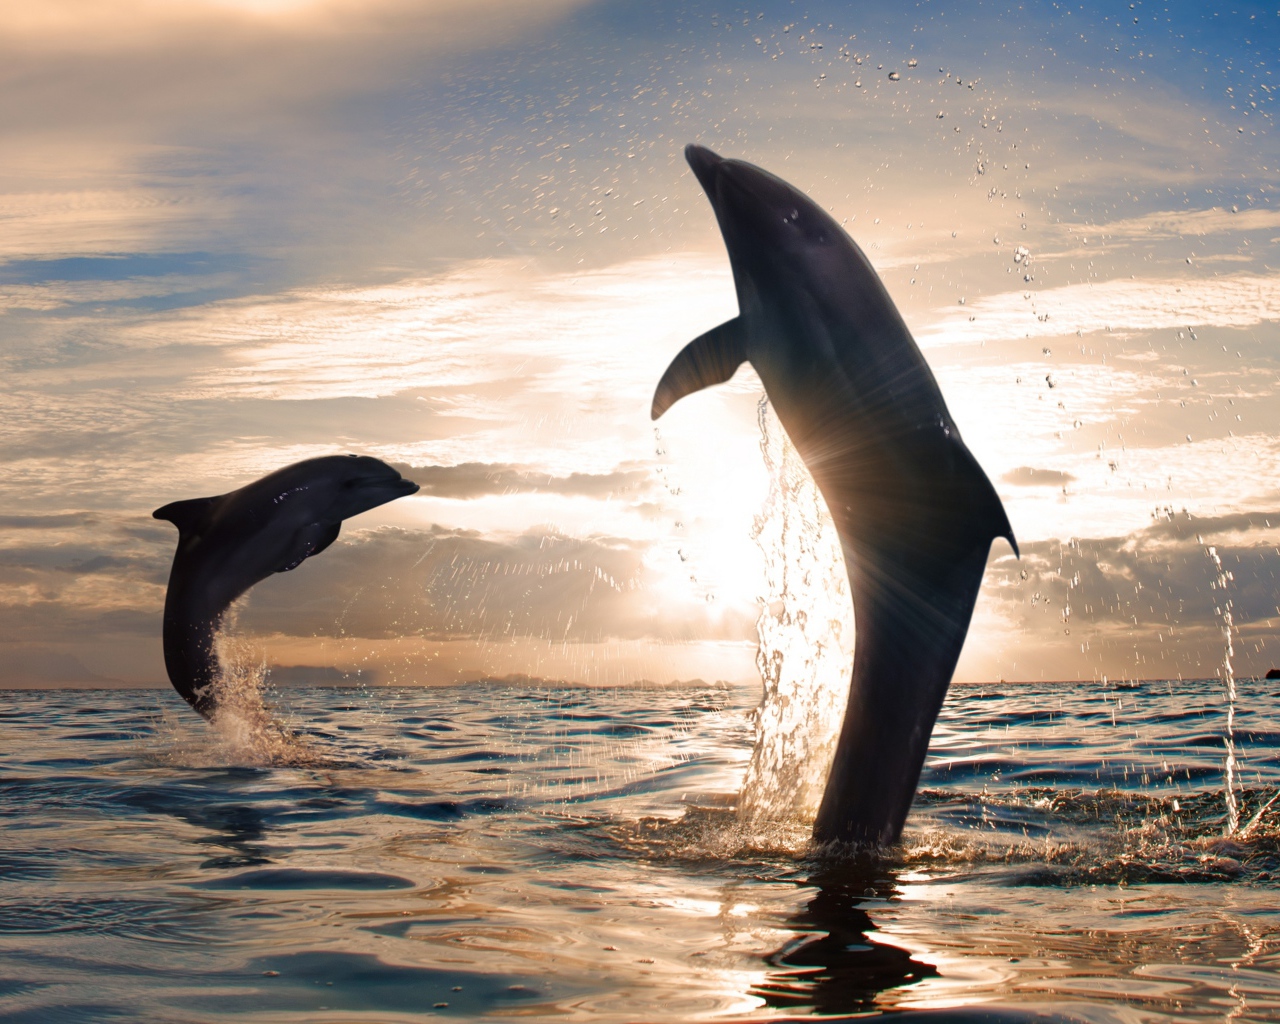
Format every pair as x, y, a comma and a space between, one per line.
1040, 837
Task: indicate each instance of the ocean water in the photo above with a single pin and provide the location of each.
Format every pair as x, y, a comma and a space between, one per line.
493, 852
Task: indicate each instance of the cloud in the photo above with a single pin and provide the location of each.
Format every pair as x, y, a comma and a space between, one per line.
473, 479
133, 26
1148, 605
1026, 476
34, 666
458, 585
1176, 224
1241, 300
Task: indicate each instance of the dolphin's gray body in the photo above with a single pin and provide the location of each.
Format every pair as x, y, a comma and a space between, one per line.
915, 513
228, 543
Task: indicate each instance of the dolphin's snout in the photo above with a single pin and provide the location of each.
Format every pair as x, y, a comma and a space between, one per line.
705, 165
393, 485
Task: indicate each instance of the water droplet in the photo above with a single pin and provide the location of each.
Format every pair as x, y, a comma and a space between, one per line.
941, 115
912, 62
1077, 424
894, 76
1023, 574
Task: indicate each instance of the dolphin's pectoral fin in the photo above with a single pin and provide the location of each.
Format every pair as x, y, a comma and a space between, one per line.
329, 536
308, 541
711, 358
188, 516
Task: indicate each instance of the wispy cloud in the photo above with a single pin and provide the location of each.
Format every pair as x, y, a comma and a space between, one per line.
1177, 224
473, 479
1147, 603
1117, 305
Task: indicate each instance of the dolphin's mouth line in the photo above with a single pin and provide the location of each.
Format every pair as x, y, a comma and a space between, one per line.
398, 484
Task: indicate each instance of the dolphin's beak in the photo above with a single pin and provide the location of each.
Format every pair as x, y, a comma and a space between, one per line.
397, 487
706, 167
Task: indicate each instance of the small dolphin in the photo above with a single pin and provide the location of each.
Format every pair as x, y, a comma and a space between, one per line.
228, 543
914, 511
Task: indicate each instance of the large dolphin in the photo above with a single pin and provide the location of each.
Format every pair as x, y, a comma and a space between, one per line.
915, 513
228, 543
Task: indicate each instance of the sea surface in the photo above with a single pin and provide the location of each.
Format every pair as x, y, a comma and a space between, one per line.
496, 852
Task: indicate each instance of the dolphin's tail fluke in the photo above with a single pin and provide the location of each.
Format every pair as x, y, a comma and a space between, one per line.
711, 358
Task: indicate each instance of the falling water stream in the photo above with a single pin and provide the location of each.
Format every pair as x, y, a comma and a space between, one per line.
805, 634
1223, 608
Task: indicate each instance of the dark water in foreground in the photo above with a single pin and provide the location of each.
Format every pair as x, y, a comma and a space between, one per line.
488, 853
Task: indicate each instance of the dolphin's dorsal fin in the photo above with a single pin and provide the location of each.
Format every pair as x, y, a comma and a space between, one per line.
987, 507
188, 515
711, 358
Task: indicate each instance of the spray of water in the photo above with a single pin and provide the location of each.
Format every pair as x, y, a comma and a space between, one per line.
805, 634
247, 730
1223, 609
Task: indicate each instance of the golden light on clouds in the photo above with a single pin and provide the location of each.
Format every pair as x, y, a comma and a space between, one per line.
460, 236
132, 24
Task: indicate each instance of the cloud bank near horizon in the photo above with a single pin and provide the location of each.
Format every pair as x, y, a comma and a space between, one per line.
462, 239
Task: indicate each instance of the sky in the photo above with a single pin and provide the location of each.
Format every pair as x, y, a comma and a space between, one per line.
461, 237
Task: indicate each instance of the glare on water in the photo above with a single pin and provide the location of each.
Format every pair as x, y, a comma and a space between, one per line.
573, 852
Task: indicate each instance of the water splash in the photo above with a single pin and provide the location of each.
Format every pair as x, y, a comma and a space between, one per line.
805, 632
247, 730
1223, 609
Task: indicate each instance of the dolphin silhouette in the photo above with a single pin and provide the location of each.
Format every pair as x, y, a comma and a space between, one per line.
914, 511
228, 543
